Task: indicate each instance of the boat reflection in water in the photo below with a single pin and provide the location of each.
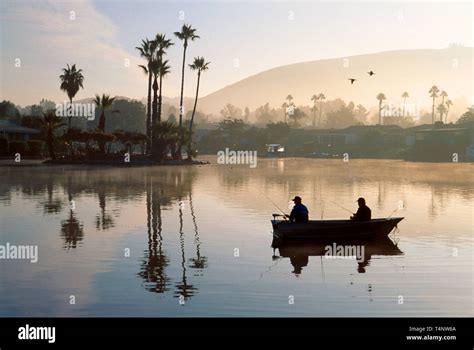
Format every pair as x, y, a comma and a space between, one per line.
360, 250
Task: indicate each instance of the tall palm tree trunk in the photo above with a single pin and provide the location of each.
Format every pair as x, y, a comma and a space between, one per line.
432, 111
380, 112
181, 108
192, 117
50, 143
320, 113
314, 115
441, 113
69, 118
102, 121
148, 115
154, 115
160, 88
404, 105
101, 127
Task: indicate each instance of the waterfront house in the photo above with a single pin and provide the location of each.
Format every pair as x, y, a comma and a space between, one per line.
14, 132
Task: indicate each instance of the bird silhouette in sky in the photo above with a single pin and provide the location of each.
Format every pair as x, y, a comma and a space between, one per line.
371, 72
352, 80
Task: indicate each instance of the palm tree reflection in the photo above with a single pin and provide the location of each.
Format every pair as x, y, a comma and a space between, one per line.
51, 205
153, 266
199, 262
104, 220
183, 289
71, 229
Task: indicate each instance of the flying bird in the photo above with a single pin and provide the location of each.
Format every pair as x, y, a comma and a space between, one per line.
371, 73
352, 80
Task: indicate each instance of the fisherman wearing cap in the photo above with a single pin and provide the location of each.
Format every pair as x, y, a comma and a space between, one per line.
299, 212
363, 213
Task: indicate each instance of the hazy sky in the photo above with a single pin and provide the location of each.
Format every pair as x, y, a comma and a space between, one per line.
239, 38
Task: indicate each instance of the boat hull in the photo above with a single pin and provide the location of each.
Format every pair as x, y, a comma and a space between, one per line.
334, 228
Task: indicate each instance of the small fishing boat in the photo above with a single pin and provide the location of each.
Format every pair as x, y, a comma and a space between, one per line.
334, 228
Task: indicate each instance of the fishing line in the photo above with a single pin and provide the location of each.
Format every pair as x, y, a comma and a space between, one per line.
276, 206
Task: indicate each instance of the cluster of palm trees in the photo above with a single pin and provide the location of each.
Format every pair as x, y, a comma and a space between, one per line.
72, 80
381, 97
315, 98
161, 135
289, 106
443, 107
156, 68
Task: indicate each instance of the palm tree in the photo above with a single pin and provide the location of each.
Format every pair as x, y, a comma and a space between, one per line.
147, 51
186, 34
433, 94
449, 103
166, 137
104, 102
441, 110
71, 81
199, 65
321, 98
154, 68
289, 98
162, 44
405, 96
159, 69
381, 97
284, 106
51, 122
315, 99
443, 95
163, 70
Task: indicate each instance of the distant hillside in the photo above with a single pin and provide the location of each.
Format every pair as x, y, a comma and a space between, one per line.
414, 71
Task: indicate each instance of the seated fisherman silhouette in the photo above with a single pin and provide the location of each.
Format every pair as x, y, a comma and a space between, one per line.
363, 213
299, 213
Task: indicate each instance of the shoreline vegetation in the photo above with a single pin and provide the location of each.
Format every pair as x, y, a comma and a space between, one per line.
115, 162
90, 142
119, 161
115, 131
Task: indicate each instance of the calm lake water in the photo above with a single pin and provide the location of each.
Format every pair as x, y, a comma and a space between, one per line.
196, 241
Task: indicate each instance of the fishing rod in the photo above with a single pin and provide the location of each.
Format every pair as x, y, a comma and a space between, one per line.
393, 212
276, 206
340, 206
